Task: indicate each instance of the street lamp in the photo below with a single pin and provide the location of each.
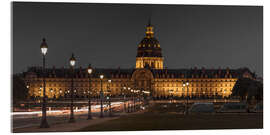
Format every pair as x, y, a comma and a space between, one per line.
60, 94
72, 62
129, 108
51, 90
134, 102
129, 90
101, 96
109, 86
186, 108
89, 70
109, 90
27, 86
44, 123
135, 96
124, 96
132, 94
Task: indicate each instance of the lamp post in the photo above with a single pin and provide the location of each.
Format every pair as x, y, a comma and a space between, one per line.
133, 106
89, 70
39, 93
129, 108
101, 96
186, 108
72, 61
44, 49
109, 90
134, 101
28, 87
124, 96
51, 90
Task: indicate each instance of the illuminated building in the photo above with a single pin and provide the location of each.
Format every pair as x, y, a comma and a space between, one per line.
149, 51
149, 74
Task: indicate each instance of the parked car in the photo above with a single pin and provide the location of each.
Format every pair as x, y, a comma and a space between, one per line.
258, 108
233, 108
202, 108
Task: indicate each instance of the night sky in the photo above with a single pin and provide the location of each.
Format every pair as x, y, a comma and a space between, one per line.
107, 35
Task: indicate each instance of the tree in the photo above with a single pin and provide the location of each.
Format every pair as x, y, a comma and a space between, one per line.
246, 89
20, 91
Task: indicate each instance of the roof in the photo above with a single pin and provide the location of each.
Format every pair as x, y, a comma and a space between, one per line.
149, 47
157, 73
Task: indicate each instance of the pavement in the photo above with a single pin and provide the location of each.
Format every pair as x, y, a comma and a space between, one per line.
65, 127
31, 121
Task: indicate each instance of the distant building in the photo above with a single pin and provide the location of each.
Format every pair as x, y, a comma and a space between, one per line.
148, 75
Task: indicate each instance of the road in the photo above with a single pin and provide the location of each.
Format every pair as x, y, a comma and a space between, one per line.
27, 119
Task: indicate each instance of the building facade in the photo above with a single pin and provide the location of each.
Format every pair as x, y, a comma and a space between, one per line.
149, 74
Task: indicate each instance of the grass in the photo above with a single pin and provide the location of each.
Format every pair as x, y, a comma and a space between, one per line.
170, 120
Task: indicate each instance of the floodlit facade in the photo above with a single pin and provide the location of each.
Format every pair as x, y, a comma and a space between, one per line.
149, 75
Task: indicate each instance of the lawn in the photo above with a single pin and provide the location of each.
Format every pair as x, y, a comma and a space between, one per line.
170, 120
165, 121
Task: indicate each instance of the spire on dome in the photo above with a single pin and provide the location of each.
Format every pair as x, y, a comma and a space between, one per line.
149, 29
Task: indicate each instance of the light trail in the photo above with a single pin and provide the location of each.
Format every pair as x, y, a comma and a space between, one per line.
114, 104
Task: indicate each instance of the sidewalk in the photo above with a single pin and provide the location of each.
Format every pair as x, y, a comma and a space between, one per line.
66, 127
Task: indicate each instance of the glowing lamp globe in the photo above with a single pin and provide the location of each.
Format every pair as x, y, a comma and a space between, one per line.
72, 60
44, 47
89, 69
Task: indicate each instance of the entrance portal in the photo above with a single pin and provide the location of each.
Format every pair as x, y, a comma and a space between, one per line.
142, 80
